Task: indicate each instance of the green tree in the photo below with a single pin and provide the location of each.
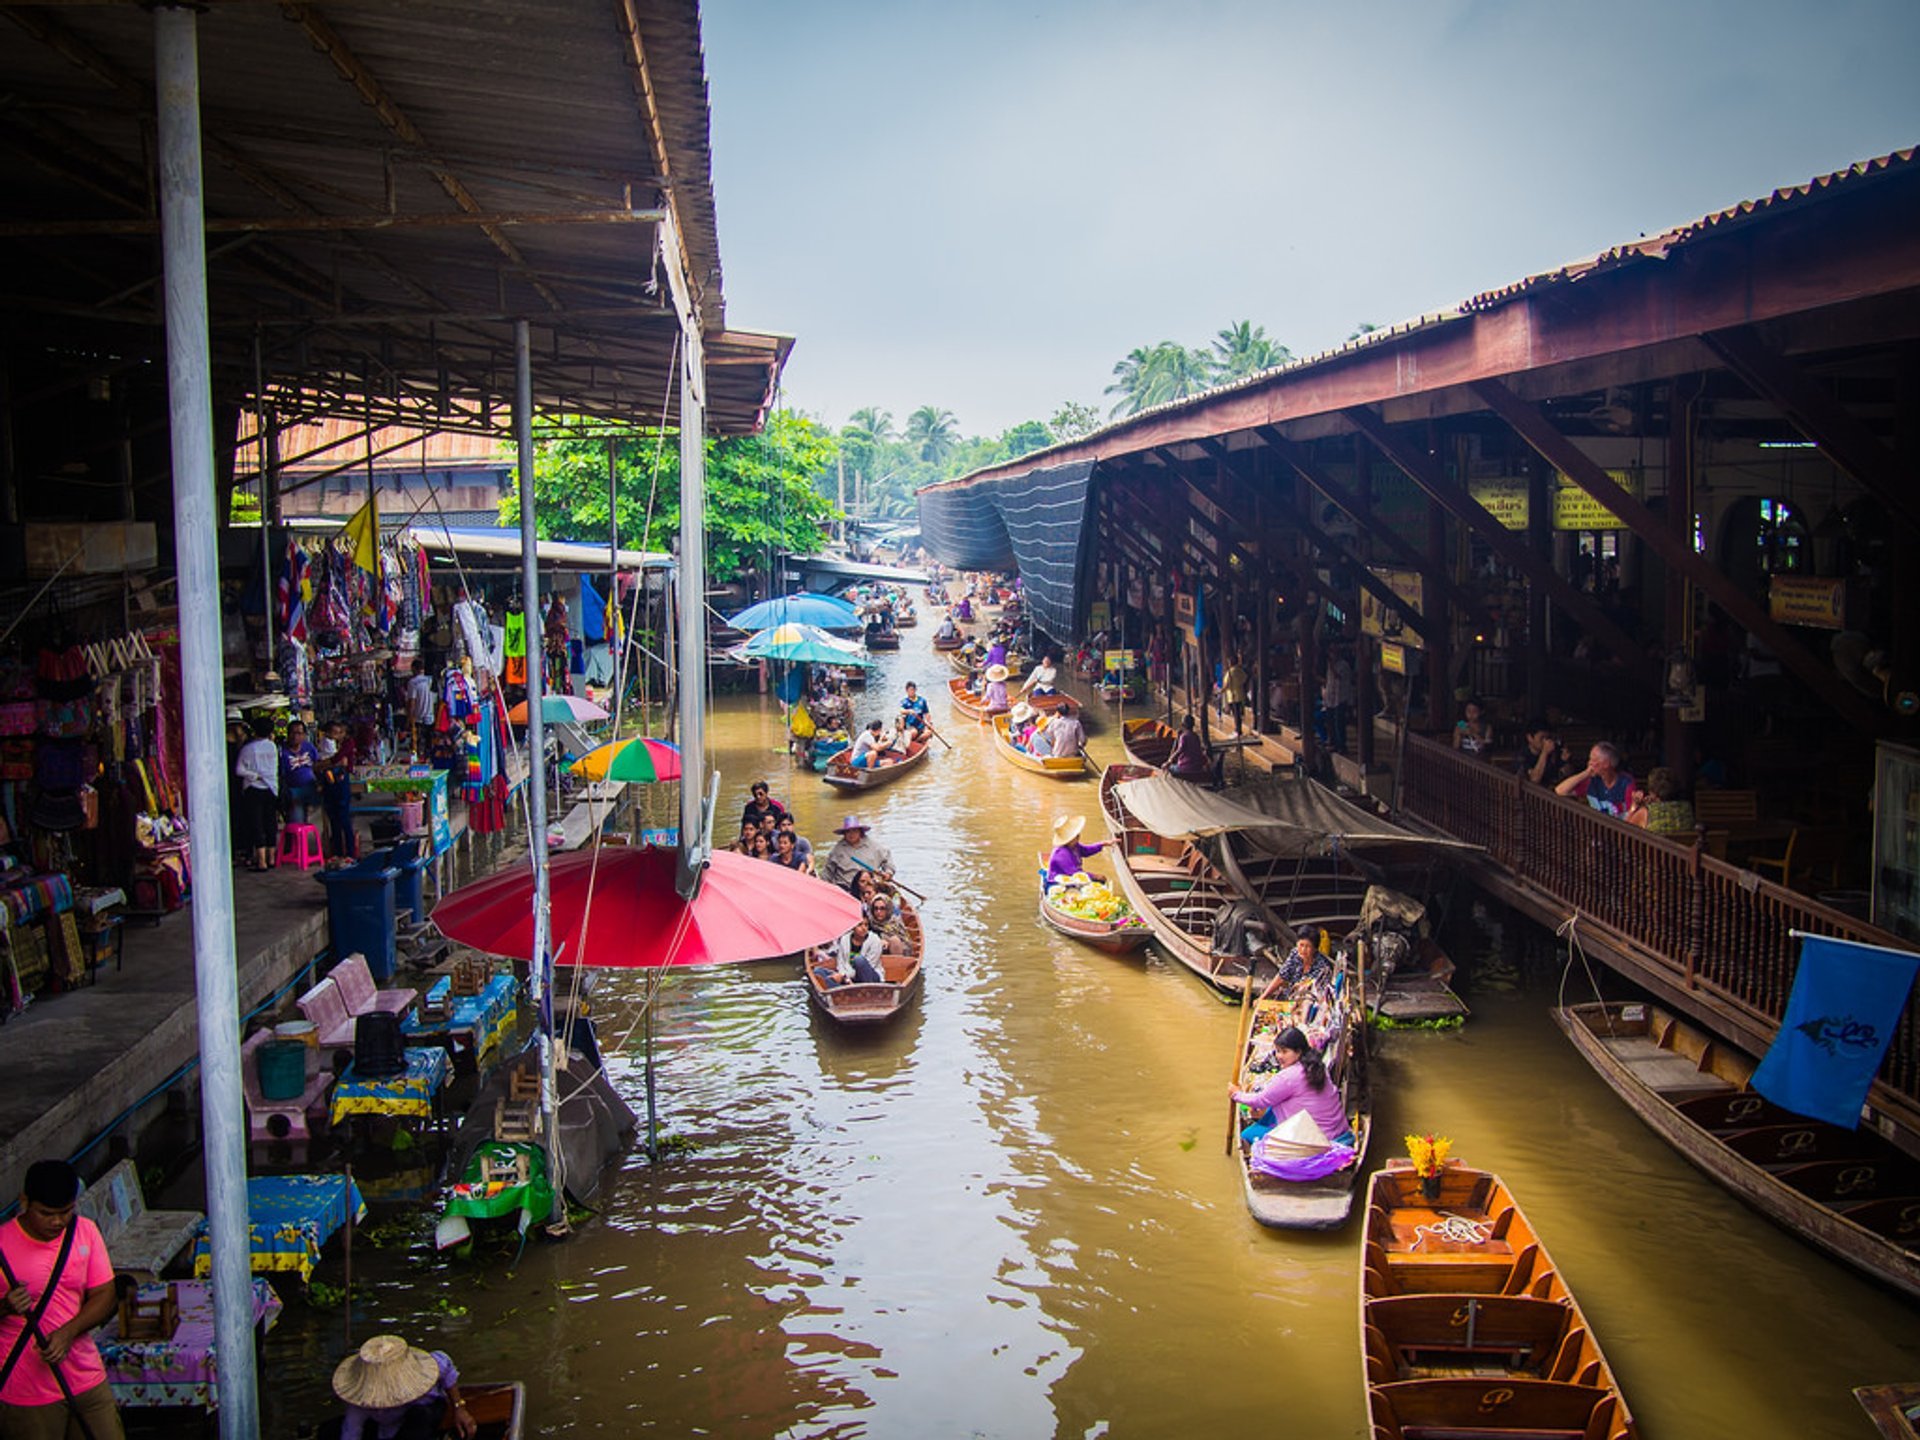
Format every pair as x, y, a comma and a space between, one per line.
1072, 420
1365, 327
1243, 349
761, 489
1026, 437
1155, 375
932, 433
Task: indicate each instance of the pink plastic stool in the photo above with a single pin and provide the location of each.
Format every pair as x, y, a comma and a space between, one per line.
301, 845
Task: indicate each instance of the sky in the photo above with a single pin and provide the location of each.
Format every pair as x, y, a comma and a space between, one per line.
983, 205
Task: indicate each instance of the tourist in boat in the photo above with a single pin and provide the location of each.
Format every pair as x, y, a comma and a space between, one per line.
1301, 1084
1544, 760
855, 852
1069, 852
870, 746
913, 710
856, 957
1473, 734
1304, 960
948, 630
1066, 736
994, 697
395, 1391
1189, 758
1043, 678
963, 610
760, 847
1658, 809
786, 853
883, 918
761, 804
785, 826
1604, 784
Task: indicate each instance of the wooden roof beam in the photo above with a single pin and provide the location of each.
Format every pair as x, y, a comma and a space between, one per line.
1532, 425
1503, 542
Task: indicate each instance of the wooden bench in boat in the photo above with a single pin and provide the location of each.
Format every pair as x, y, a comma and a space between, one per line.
1461, 1408
1448, 1334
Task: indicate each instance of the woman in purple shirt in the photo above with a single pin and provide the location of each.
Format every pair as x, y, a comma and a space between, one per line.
394, 1391
1069, 855
994, 697
1302, 1084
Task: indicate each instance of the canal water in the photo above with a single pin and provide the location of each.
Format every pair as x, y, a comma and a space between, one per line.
1011, 1214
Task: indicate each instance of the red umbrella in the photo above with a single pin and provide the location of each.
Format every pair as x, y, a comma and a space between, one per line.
747, 909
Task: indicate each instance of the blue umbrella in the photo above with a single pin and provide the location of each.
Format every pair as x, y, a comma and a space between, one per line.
803, 643
801, 609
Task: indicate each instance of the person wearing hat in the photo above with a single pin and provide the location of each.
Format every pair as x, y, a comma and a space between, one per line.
56, 1285
1301, 1085
1020, 725
994, 697
854, 854
1069, 854
394, 1391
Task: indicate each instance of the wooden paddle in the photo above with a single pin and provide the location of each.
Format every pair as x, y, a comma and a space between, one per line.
937, 735
1240, 1050
893, 880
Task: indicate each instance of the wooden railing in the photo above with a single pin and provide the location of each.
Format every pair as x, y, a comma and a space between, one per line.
1714, 929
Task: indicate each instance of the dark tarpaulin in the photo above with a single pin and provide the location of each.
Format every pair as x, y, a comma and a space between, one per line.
1030, 522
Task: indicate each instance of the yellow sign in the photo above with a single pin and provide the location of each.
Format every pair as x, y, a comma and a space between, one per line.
1118, 660
1505, 498
1393, 659
1808, 600
1378, 618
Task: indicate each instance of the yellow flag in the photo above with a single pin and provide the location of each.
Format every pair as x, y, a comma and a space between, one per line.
363, 537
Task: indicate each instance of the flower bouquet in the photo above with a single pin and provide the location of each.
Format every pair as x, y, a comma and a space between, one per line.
1429, 1155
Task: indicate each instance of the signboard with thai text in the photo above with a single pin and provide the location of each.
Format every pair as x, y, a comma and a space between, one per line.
1378, 618
1393, 659
1505, 498
1809, 600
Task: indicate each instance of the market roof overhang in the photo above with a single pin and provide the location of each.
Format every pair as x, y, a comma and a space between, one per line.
388, 188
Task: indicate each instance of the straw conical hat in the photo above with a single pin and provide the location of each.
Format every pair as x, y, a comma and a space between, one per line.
1068, 830
1298, 1134
386, 1372
997, 672
1022, 713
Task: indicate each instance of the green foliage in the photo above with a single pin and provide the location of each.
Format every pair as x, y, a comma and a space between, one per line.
1243, 349
1152, 375
1026, 437
932, 433
1436, 1022
1072, 420
762, 490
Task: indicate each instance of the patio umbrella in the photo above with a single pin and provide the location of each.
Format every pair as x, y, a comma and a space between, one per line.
799, 643
746, 909
801, 609
562, 709
642, 759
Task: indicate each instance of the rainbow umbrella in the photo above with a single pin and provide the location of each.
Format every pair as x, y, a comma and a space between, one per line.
803, 643
642, 759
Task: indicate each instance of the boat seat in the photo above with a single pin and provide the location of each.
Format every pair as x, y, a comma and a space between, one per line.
1528, 1276
1513, 1409
1800, 1143
1518, 1332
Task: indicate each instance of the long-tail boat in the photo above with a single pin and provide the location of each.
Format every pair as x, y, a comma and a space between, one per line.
1314, 1201
1120, 935
1466, 1327
1177, 890
842, 772
870, 1004
946, 643
1894, 1409
1054, 767
1148, 741
1852, 1193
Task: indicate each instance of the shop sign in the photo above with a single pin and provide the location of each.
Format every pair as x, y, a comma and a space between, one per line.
1384, 620
1183, 609
1808, 600
1505, 498
1099, 616
1393, 659
1117, 661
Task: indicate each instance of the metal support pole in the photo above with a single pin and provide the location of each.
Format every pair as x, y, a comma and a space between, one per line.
693, 611
540, 970
197, 558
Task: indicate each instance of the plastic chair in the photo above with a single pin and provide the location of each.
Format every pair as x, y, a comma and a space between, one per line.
301, 845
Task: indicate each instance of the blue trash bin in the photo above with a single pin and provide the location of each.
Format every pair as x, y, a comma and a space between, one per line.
408, 902
360, 913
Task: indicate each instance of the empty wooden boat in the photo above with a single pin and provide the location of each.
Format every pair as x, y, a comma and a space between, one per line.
1851, 1192
869, 1004
1054, 767
1119, 935
1318, 1202
1466, 1327
1894, 1409
840, 771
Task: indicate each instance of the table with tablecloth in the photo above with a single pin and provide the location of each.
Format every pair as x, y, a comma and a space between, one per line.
184, 1368
410, 1095
289, 1218
488, 1017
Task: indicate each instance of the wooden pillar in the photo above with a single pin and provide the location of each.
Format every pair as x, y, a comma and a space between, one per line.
1365, 652
1540, 541
1439, 657
1677, 630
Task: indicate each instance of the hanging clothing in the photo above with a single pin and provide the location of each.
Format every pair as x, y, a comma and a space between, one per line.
515, 672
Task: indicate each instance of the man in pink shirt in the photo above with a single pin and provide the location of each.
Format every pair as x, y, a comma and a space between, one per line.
58, 1288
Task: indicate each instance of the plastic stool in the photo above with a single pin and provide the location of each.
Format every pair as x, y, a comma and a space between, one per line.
301, 845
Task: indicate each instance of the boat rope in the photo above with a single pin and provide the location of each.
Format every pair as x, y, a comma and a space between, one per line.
1454, 1230
1571, 929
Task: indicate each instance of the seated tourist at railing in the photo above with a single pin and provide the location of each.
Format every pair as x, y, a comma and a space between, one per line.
1659, 810
1544, 761
1604, 784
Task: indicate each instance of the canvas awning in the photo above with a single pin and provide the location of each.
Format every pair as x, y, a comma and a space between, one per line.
1289, 817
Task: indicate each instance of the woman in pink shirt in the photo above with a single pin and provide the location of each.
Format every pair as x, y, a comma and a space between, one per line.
1302, 1084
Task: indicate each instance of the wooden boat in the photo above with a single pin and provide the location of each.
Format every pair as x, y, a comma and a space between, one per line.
906, 617
882, 639
1466, 1327
1177, 890
968, 703
1148, 742
1323, 1203
1850, 1192
499, 1411
1054, 767
1114, 937
1894, 1409
945, 643
842, 773
821, 750
870, 1004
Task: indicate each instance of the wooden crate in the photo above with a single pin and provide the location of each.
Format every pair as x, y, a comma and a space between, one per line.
153, 1317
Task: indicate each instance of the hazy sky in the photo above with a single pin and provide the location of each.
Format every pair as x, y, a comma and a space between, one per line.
984, 205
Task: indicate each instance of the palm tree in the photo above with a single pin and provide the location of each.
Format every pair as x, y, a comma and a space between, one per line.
1130, 381
1243, 349
1156, 375
932, 433
870, 425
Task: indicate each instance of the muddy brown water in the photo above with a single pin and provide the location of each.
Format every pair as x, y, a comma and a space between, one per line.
1010, 1213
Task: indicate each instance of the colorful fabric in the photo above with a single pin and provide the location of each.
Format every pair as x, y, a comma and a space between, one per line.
409, 1094
31, 897
183, 1369
362, 535
290, 1218
31, 1262
489, 1016
1298, 1168
477, 1197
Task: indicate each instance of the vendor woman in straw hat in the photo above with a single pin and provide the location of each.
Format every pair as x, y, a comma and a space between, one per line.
994, 697
1069, 853
394, 1391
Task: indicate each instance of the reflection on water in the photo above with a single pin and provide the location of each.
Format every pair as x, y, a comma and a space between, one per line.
1010, 1213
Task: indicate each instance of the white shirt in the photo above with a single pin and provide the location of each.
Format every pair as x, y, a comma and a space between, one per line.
258, 765
871, 950
867, 743
420, 699
1042, 674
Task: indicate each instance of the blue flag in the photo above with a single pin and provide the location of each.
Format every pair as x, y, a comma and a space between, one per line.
1847, 998
1199, 610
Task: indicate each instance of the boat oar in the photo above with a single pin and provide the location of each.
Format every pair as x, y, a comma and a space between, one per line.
938, 736
1239, 1057
890, 879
